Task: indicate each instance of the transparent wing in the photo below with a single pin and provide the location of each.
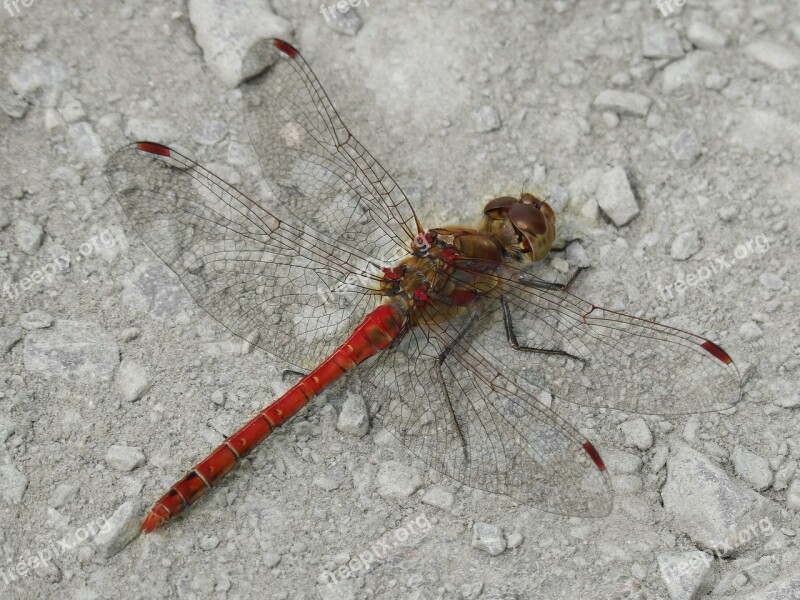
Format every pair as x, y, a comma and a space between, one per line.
319, 172
611, 359
462, 414
292, 292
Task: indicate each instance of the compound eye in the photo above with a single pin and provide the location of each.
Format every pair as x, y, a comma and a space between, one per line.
498, 205
527, 218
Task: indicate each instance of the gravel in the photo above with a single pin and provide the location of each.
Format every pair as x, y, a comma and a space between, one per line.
640, 127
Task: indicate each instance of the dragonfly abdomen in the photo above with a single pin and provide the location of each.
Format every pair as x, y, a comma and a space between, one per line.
372, 335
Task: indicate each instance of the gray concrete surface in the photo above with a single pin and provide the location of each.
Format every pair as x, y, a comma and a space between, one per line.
668, 139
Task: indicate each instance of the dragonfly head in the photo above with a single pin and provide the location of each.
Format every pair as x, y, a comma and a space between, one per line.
524, 226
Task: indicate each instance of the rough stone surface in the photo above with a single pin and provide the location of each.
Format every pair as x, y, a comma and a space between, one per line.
708, 506
73, 350
79, 80
396, 480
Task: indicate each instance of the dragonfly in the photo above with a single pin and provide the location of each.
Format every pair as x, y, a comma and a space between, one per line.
459, 345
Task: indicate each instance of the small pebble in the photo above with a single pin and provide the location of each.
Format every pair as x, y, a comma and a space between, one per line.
623, 103
685, 245
209, 542
637, 433
35, 319
788, 401
439, 497
14, 484
354, 418
218, 398
514, 540
771, 281
487, 119
54, 123
133, 380
29, 236
120, 530
685, 148
751, 468
750, 332
659, 41
488, 538
705, 37
793, 496
124, 458
774, 55
615, 197
7, 429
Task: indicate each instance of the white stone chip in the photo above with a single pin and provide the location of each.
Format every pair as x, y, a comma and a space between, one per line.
487, 119
13, 484
119, 531
793, 496
354, 418
752, 468
775, 56
488, 538
659, 41
133, 380
637, 433
29, 236
705, 37
623, 103
685, 245
35, 319
124, 458
615, 197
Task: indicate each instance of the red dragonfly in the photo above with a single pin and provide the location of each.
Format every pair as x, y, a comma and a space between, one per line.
460, 341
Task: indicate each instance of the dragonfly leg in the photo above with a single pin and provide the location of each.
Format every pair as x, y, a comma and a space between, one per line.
512, 337
565, 287
439, 361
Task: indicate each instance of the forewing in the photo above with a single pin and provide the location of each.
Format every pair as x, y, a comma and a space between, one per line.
616, 360
294, 293
321, 174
